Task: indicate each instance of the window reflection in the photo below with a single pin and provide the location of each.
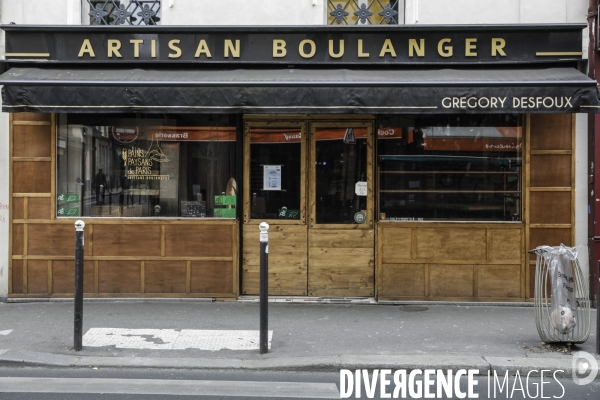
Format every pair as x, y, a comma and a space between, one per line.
146, 167
450, 168
341, 163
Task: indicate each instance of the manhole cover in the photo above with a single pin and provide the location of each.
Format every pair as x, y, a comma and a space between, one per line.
413, 308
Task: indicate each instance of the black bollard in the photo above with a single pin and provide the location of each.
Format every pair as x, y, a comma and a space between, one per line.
77, 337
264, 287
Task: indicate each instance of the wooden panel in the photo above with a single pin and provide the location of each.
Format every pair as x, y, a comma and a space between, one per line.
505, 244
37, 277
396, 244
211, 277
401, 280
165, 276
39, 208
287, 260
499, 281
550, 207
451, 280
17, 276
550, 170
198, 241
341, 263
25, 116
17, 239
52, 240
451, 243
31, 141
127, 240
548, 237
119, 276
18, 208
63, 277
550, 132
344, 239
32, 177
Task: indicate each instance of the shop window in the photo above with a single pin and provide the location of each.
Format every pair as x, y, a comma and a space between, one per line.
275, 168
341, 162
122, 12
176, 166
462, 168
364, 12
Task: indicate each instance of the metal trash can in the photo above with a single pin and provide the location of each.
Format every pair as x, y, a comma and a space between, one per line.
562, 301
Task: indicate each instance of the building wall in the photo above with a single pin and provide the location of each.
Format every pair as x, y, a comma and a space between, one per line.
243, 12
581, 185
495, 12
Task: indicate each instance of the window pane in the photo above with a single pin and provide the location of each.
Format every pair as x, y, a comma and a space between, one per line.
275, 168
146, 166
122, 12
341, 162
364, 12
450, 168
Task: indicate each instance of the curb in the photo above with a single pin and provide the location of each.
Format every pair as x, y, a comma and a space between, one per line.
272, 299
499, 365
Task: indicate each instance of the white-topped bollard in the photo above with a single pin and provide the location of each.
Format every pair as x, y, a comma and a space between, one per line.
79, 242
264, 287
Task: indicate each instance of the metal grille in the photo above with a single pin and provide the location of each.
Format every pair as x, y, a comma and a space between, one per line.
543, 301
124, 12
362, 12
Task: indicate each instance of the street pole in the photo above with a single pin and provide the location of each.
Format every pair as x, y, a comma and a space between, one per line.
264, 287
77, 337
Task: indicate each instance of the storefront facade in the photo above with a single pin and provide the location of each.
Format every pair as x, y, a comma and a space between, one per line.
401, 163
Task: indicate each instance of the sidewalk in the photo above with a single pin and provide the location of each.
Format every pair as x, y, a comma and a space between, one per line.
305, 336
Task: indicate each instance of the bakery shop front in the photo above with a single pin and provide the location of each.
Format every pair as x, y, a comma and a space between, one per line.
395, 163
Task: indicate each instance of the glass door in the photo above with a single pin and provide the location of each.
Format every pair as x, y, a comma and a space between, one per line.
341, 236
275, 192
316, 194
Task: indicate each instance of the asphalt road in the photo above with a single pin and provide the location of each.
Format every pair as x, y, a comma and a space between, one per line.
137, 384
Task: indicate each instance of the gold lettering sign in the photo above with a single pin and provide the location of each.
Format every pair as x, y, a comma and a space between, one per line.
307, 48
177, 50
203, 49
498, 46
153, 49
86, 47
311, 44
361, 53
136, 47
387, 47
445, 51
470, 47
332, 53
113, 48
229, 47
413, 47
279, 49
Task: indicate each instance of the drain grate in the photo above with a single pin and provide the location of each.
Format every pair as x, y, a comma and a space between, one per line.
413, 308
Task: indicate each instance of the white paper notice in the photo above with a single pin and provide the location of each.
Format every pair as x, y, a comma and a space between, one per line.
271, 177
360, 188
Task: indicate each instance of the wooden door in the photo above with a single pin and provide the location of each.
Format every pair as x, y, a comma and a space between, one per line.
275, 192
321, 236
341, 235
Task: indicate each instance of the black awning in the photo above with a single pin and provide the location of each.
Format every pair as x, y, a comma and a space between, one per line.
423, 91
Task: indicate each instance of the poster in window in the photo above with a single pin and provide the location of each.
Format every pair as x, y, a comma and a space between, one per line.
271, 177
